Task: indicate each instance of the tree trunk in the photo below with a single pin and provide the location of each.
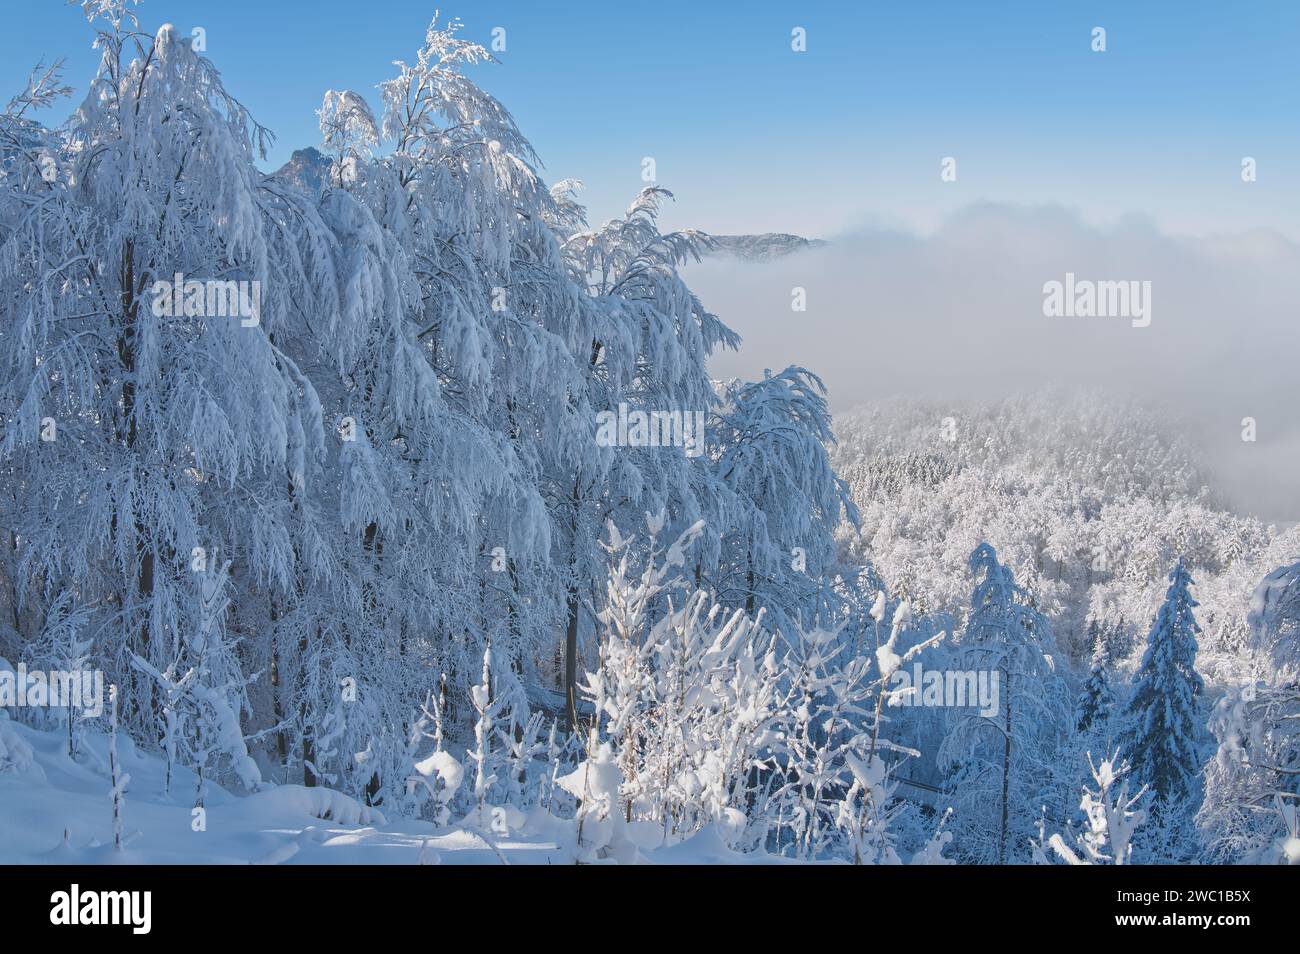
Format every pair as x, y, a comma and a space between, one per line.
308, 737
1006, 776
138, 688
571, 663
571, 629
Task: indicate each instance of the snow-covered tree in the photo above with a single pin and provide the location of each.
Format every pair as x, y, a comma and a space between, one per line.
1274, 620
1096, 697
1253, 782
648, 340
1161, 737
1003, 764
167, 429
487, 706
1252, 785
348, 132
772, 439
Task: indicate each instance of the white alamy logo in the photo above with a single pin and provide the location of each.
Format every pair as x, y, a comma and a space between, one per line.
948, 688
57, 688
1084, 298
208, 298
103, 907
626, 428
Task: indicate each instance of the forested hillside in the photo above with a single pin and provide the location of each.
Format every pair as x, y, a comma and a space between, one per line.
1089, 500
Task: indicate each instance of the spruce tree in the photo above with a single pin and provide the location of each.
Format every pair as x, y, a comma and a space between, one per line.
1096, 698
1160, 738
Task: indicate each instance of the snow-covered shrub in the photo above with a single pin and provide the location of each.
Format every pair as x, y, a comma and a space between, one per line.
835, 795
685, 696
600, 828
202, 692
1112, 817
932, 852
437, 776
15, 754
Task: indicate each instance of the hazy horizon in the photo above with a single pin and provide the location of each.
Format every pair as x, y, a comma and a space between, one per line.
957, 315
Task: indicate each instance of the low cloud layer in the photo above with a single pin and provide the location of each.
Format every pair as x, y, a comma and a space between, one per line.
959, 316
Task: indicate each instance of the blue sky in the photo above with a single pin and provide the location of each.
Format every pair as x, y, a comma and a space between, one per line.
849, 134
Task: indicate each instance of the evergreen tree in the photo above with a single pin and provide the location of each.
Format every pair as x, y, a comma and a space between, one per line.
1160, 739
1096, 698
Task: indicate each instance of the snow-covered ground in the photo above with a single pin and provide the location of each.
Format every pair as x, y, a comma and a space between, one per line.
44, 793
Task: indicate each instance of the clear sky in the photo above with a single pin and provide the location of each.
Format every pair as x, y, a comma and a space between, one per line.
753, 136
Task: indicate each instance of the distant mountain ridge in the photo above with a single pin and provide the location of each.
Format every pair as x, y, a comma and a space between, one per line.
764, 247
307, 169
